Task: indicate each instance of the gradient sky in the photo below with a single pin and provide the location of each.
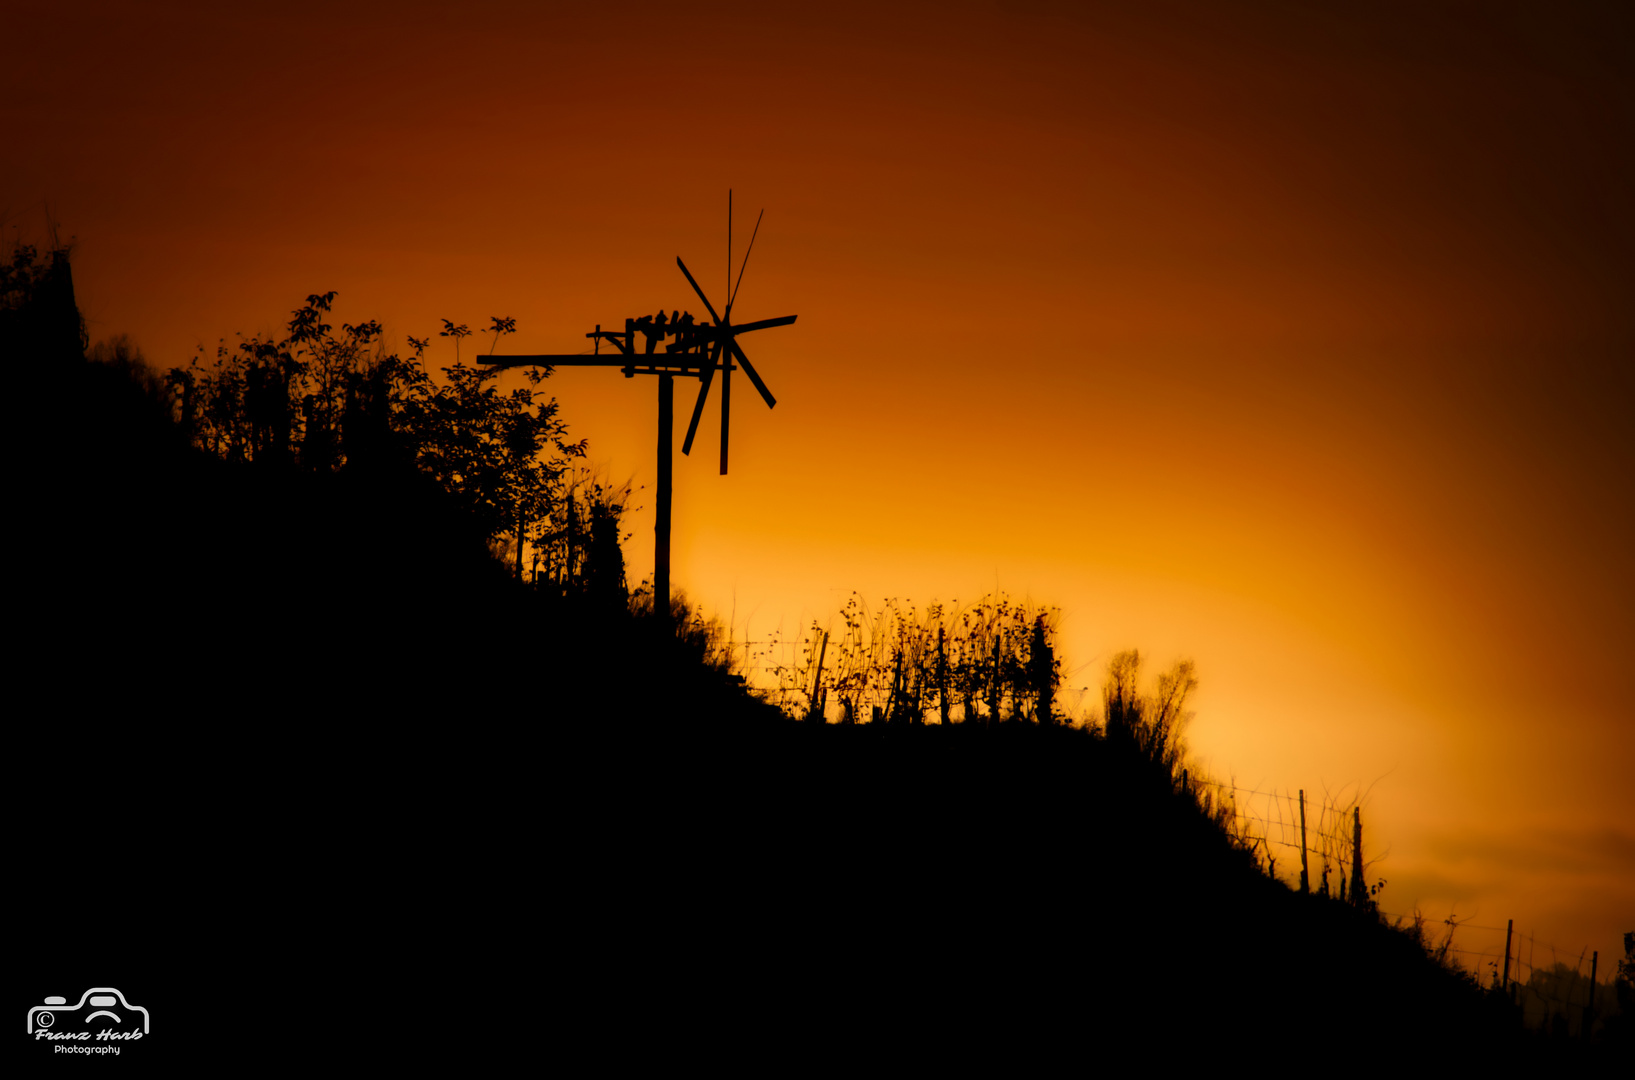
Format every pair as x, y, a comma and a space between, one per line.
1298, 342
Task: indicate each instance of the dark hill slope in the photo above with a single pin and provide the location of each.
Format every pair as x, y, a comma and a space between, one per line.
1011, 892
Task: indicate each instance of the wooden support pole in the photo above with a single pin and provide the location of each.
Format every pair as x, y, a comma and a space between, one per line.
815, 712
1305, 876
661, 528
1509, 932
1359, 890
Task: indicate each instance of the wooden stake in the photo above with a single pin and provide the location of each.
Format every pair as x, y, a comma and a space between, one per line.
1359, 891
1305, 877
816, 712
1509, 931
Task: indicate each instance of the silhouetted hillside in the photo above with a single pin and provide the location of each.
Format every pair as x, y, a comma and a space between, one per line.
358, 755
1013, 893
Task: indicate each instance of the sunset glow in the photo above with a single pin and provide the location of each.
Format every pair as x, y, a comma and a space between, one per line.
1293, 342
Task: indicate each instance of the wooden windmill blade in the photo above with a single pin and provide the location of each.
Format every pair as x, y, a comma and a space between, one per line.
732, 297
708, 306
732, 341
698, 405
749, 369
762, 324
726, 343
721, 358
708, 377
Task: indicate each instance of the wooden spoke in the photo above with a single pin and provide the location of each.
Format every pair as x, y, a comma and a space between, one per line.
763, 324
749, 369
709, 306
698, 406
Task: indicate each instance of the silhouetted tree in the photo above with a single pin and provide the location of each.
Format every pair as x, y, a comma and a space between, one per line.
503, 455
604, 562
578, 547
331, 400
39, 318
286, 399
1121, 697
1150, 725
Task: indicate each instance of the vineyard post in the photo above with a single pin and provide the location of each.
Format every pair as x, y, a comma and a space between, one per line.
1359, 891
1509, 931
1305, 877
815, 712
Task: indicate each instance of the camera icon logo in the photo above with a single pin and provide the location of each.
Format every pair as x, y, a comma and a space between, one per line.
98, 1003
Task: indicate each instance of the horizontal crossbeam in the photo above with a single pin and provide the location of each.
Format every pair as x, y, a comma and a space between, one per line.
657, 364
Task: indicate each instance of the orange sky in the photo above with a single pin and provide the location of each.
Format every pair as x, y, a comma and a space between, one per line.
1296, 342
